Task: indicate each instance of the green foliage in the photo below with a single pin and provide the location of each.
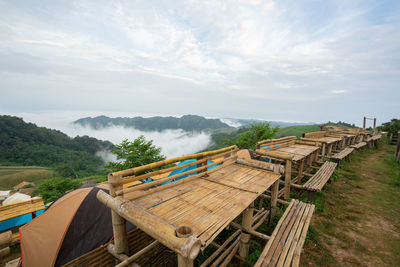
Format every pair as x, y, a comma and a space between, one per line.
256, 133
392, 127
53, 188
26, 144
133, 154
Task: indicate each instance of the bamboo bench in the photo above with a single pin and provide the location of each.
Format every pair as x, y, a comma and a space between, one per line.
342, 155
286, 242
291, 151
21, 208
319, 179
359, 145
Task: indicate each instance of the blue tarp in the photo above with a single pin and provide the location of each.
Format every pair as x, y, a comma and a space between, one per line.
18, 221
185, 169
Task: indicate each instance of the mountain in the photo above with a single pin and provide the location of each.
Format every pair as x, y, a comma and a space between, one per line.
186, 122
24, 143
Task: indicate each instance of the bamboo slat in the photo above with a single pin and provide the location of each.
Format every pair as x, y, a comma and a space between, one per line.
22, 208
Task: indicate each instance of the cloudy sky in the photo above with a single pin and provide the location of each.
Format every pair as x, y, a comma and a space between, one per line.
275, 60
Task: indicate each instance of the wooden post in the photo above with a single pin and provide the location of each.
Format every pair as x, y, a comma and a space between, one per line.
247, 220
300, 174
288, 179
118, 223
374, 125
364, 122
274, 199
184, 261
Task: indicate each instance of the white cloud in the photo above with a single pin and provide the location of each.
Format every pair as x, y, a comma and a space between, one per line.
338, 92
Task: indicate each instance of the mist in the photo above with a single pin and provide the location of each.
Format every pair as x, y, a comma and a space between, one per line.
173, 143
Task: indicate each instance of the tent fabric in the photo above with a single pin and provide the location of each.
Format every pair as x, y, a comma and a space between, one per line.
185, 169
72, 226
90, 228
42, 237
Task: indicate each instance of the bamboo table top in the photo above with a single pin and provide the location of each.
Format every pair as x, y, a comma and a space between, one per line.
327, 139
209, 204
299, 152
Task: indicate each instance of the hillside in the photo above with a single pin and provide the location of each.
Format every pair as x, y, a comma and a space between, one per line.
186, 122
26, 144
298, 130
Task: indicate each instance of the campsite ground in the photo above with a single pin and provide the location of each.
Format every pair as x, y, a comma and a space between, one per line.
357, 218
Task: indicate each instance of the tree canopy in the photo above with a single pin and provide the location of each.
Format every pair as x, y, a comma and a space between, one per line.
133, 154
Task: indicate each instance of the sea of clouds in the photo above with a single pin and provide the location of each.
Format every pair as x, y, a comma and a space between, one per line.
173, 143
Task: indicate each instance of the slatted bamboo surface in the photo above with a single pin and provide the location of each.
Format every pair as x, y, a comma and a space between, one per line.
326, 139
376, 137
137, 239
342, 154
359, 145
287, 240
208, 204
298, 152
21, 208
319, 179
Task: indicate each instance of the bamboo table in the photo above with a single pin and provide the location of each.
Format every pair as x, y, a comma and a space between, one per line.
328, 143
301, 154
187, 215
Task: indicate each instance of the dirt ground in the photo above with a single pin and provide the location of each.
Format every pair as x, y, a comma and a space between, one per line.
357, 219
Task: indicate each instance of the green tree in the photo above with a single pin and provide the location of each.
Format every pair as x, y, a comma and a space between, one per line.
392, 127
256, 133
133, 154
52, 189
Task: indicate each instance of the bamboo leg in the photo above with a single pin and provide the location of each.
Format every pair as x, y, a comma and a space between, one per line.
274, 199
184, 262
323, 151
300, 171
330, 149
118, 223
247, 221
288, 179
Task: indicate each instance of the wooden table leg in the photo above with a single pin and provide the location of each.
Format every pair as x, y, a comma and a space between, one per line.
288, 179
247, 220
300, 173
184, 262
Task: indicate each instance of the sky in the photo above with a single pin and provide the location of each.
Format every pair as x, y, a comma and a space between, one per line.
274, 60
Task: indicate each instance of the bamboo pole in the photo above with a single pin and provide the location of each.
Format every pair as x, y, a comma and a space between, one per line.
138, 254
152, 225
278, 200
247, 220
220, 249
118, 223
166, 179
256, 164
4, 252
288, 178
154, 165
274, 154
185, 180
5, 238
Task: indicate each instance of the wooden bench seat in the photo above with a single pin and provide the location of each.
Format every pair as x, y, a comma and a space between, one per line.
319, 179
21, 208
343, 154
287, 240
359, 145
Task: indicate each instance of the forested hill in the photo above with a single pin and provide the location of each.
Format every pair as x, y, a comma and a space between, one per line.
186, 122
24, 143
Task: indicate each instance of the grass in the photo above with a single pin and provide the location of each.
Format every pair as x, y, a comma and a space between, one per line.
13, 175
357, 218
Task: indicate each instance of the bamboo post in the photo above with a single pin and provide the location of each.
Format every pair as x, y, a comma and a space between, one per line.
184, 261
300, 174
274, 198
364, 122
288, 178
5, 238
323, 151
374, 125
118, 223
247, 221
